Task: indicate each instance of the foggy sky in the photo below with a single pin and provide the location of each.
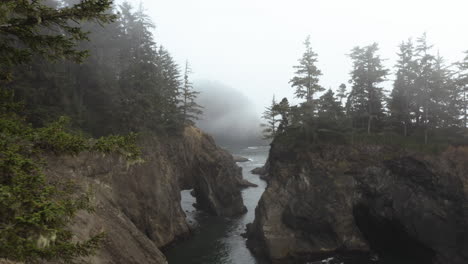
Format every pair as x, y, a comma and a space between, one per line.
251, 45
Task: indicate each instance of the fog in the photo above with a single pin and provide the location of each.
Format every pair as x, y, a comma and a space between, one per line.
229, 116
251, 45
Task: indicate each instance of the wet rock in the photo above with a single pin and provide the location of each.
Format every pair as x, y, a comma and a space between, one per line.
138, 205
240, 158
259, 171
342, 200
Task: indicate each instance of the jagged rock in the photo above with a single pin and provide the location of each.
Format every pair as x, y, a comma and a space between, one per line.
240, 158
259, 171
138, 205
344, 200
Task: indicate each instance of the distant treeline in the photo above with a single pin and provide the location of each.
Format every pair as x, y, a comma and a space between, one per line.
428, 102
129, 83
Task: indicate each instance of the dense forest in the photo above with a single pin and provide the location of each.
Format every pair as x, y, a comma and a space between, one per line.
127, 83
69, 71
427, 105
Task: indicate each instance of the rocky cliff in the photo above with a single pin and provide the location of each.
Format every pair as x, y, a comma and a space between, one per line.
353, 200
138, 205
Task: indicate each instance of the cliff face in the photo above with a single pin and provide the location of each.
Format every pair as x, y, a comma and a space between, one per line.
353, 200
138, 205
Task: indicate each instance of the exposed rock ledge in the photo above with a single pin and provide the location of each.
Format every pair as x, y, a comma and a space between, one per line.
347, 200
138, 206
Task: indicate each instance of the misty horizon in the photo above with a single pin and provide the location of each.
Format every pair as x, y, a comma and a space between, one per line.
252, 46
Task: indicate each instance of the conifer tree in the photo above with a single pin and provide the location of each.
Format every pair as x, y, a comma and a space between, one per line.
34, 27
403, 96
341, 92
364, 103
190, 109
139, 78
270, 116
283, 109
306, 79
423, 88
462, 82
34, 214
329, 108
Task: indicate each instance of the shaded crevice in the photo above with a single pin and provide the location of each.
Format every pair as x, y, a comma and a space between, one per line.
389, 238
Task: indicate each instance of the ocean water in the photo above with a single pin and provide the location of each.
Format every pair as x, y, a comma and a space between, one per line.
218, 240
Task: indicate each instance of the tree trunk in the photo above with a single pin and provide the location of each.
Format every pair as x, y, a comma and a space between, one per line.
426, 123
405, 129
369, 123
466, 106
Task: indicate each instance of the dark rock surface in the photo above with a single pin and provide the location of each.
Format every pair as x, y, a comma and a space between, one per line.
138, 205
240, 159
355, 200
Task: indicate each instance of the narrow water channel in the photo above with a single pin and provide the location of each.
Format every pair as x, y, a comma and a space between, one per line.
218, 240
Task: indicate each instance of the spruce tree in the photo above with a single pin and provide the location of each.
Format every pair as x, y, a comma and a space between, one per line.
403, 96
170, 85
329, 108
364, 103
191, 111
306, 79
270, 116
423, 87
462, 82
35, 214
34, 27
283, 109
341, 92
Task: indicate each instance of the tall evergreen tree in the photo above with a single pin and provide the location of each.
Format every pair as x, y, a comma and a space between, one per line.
423, 88
34, 214
342, 92
444, 96
329, 108
270, 116
364, 103
139, 79
25, 24
462, 82
306, 79
190, 109
402, 98
170, 84
283, 109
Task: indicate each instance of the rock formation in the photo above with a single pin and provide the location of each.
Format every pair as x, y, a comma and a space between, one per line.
138, 205
352, 200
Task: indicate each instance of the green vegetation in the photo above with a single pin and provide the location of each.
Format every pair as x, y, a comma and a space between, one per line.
128, 83
35, 94
425, 111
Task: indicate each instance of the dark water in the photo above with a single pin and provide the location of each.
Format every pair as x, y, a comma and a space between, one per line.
218, 240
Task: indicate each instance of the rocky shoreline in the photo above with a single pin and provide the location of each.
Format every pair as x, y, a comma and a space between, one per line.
362, 200
138, 205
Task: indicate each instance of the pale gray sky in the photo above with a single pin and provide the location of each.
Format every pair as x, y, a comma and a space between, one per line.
251, 45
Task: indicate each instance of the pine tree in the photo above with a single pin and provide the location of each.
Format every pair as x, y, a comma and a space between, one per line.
444, 96
365, 99
170, 85
329, 108
423, 88
23, 24
139, 79
269, 115
402, 98
307, 75
190, 109
34, 214
283, 109
342, 92
462, 83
